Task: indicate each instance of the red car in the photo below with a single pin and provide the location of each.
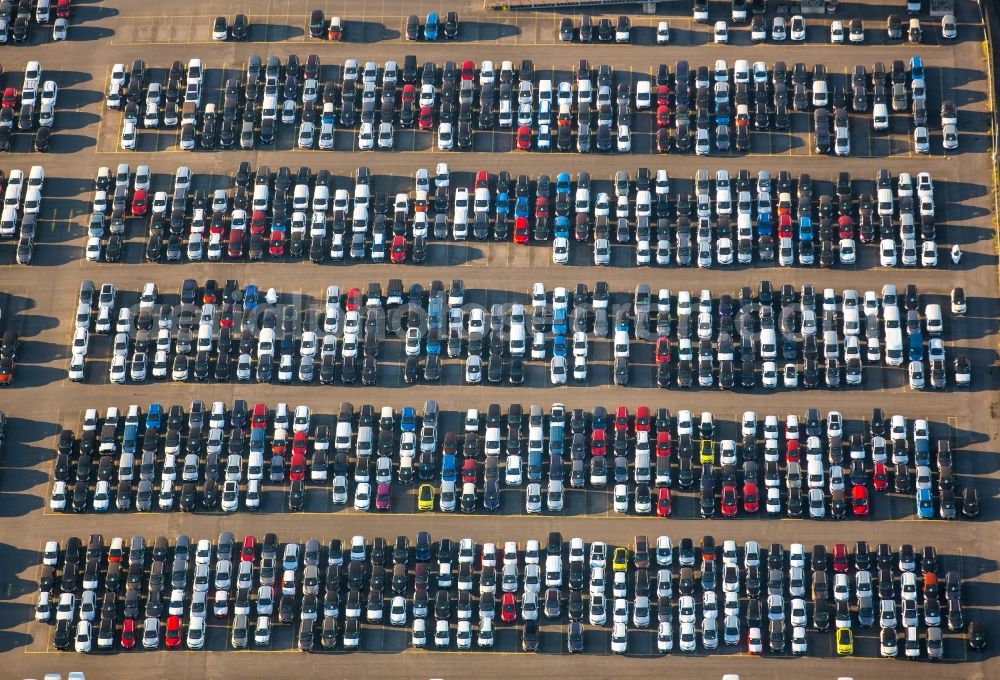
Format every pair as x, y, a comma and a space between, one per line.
621, 419
784, 226
425, 121
598, 443
276, 244
383, 498
299, 442
9, 98
139, 203
524, 138
354, 299
62, 9
664, 445
258, 419
859, 501
508, 608
662, 95
279, 445
469, 471
663, 350
751, 501
482, 180
521, 230
662, 117
541, 208
258, 222
663, 502
840, 558
468, 70
226, 319
173, 636
249, 551
397, 251
880, 477
409, 93
845, 225
297, 468
643, 420
128, 634
729, 505
792, 452
236, 243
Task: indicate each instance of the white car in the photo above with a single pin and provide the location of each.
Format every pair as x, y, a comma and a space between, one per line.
724, 251
887, 253
778, 31
473, 369
307, 135
798, 28
837, 32
688, 639
624, 139
385, 136
921, 140
362, 496
366, 137
621, 498
93, 249
619, 639
928, 254
128, 136
721, 33
445, 137
560, 250
842, 142
949, 136
557, 370
602, 251
57, 499
847, 252
60, 29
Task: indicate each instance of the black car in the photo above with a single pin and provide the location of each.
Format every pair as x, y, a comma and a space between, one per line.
317, 24
42, 139
566, 30
451, 26
605, 31
239, 28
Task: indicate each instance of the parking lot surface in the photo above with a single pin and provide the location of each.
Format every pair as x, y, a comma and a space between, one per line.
38, 301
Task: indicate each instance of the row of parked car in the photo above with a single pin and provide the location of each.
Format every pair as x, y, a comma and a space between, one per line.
22, 205
726, 219
623, 454
436, 587
692, 335
589, 112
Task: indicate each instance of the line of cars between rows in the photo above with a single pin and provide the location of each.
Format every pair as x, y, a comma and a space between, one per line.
630, 455
440, 589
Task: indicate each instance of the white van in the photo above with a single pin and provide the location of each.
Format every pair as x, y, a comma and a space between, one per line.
886, 205
880, 116
359, 219
255, 465
621, 344
261, 197
553, 571
894, 346
269, 110
933, 320
768, 344
126, 467
517, 341
342, 438
545, 91
816, 477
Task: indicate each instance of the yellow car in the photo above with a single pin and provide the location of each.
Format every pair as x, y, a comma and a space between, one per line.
619, 560
425, 498
707, 452
845, 642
